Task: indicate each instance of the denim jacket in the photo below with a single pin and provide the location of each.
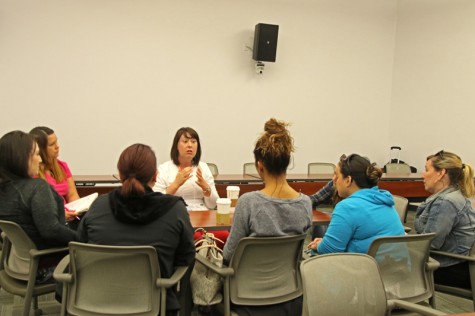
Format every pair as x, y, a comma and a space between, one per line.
451, 217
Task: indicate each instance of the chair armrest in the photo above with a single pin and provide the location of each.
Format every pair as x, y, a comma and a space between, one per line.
174, 279
60, 274
452, 255
5, 250
423, 310
432, 264
223, 271
44, 252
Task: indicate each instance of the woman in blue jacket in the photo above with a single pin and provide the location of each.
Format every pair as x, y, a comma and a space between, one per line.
449, 214
364, 214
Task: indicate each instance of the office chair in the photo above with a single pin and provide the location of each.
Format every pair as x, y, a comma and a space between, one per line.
19, 266
321, 167
249, 168
405, 266
214, 169
401, 204
263, 271
349, 284
113, 280
460, 292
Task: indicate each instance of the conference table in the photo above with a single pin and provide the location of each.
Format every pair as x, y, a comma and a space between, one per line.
208, 219
409, 185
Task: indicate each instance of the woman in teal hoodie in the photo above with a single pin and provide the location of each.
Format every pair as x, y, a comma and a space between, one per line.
365, 213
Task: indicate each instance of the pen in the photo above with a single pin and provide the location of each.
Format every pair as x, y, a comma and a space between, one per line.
72, 211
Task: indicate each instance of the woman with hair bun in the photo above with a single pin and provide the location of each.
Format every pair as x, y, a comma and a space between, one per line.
276, 210
449, 214
134, 215
364, 214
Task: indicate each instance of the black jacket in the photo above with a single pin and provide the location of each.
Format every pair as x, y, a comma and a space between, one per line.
38, 209
155, 219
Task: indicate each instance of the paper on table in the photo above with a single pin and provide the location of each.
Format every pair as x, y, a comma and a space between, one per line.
196, 206
82, 205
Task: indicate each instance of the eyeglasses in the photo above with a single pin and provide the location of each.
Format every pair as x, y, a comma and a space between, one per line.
347, 161
440, 154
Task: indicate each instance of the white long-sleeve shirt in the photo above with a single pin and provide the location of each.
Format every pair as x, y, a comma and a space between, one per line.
189, 191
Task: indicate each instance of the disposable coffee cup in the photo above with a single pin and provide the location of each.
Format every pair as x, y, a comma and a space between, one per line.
223, 214
233, 194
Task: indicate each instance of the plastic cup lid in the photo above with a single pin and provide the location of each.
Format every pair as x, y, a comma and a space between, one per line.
223, 201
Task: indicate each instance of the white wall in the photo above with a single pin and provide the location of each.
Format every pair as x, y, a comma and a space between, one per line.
434, 74
108, 73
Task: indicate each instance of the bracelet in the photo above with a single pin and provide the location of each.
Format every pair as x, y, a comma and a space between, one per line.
207, 189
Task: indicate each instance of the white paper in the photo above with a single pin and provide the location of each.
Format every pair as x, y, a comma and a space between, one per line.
82, 205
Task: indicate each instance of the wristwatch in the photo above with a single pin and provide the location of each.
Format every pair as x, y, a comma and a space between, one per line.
208, 189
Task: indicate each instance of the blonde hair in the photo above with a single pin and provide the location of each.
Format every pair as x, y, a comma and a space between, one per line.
460, 174
274, 147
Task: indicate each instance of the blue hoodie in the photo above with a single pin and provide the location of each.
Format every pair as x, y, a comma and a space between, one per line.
359, 219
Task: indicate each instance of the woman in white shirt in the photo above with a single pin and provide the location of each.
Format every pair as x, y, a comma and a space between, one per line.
185, 175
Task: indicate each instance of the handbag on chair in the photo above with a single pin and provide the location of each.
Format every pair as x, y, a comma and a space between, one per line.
206, 284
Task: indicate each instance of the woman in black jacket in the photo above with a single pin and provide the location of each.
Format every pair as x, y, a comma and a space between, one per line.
29, 201
133, 215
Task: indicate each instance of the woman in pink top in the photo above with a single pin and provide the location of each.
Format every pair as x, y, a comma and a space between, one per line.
53, 170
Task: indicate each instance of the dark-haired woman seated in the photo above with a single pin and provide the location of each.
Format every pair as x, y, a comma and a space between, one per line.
29, 201
365, 213
134, 215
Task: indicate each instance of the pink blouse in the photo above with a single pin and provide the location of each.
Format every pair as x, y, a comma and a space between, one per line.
61, 187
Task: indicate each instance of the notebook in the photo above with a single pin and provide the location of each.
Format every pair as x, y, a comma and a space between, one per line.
82, 205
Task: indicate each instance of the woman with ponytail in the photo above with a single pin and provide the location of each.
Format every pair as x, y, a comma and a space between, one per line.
134, 215
449, 214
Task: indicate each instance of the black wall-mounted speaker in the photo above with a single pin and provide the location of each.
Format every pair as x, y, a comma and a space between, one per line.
265, 42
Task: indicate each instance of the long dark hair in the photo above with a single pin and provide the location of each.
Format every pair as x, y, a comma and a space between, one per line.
41, 134
16, 148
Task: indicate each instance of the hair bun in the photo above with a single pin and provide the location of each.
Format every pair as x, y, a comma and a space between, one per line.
274, 126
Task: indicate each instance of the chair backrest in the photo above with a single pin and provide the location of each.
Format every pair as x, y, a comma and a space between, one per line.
321, 167
249, 168
17, 260
342, 284
214, 168
113, 280
266, 270
401, 204
398, 168
403, 261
